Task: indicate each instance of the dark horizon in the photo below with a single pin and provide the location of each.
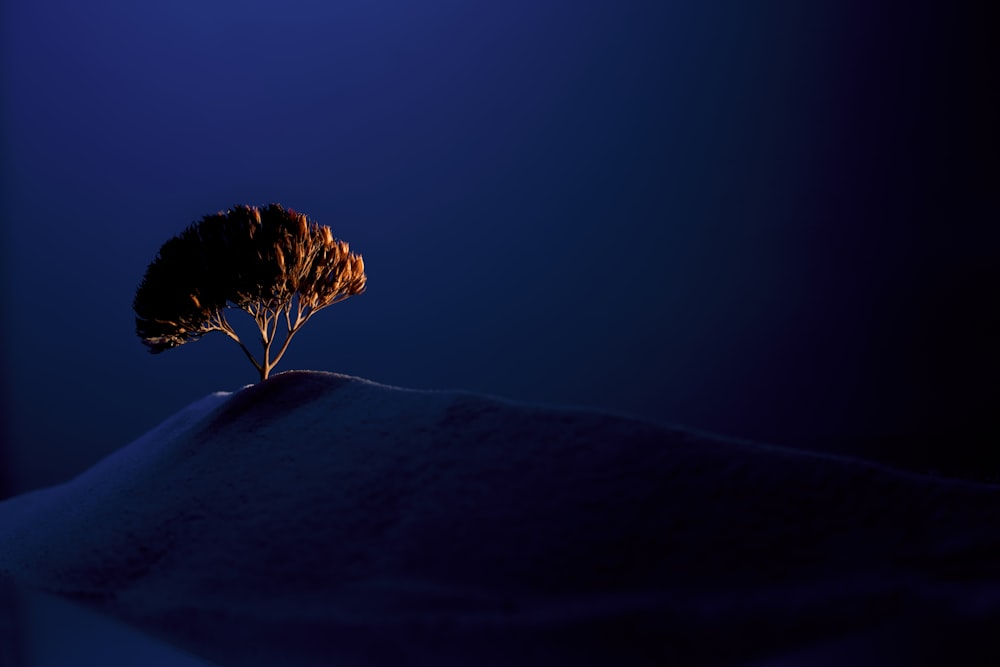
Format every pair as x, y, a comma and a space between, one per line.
772, 224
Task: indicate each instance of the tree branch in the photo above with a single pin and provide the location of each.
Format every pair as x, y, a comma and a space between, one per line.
274, 325
227, 329
284, 346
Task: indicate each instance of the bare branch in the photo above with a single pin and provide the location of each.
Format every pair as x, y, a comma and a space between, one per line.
227, 329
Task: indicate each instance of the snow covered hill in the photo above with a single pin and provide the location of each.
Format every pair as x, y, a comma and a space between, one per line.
319, 519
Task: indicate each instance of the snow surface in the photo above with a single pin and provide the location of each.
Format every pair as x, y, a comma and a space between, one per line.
55, 632
319, 519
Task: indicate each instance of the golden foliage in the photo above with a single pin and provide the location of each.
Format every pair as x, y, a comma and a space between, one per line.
272, 263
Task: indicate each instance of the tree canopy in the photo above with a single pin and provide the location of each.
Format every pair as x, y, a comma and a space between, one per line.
273, 263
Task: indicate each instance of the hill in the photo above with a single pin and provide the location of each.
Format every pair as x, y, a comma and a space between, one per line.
319, 519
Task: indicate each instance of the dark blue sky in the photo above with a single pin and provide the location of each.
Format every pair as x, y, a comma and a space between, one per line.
774, 220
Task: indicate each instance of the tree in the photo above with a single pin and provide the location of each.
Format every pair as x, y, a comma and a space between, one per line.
274, 264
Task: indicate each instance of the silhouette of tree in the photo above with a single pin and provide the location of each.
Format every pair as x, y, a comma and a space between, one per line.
274, 264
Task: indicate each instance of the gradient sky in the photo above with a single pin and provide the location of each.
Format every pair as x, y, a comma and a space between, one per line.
774, 220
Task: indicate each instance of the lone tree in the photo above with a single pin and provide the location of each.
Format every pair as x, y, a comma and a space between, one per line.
273, 263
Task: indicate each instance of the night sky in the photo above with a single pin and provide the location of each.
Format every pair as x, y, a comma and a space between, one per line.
774, 220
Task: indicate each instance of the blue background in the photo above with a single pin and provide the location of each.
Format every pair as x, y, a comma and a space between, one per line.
774, 220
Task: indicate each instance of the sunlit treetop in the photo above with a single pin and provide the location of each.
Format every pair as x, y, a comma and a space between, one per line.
273, 263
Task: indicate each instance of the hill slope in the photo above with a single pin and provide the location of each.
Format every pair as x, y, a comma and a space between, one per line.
322, 519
